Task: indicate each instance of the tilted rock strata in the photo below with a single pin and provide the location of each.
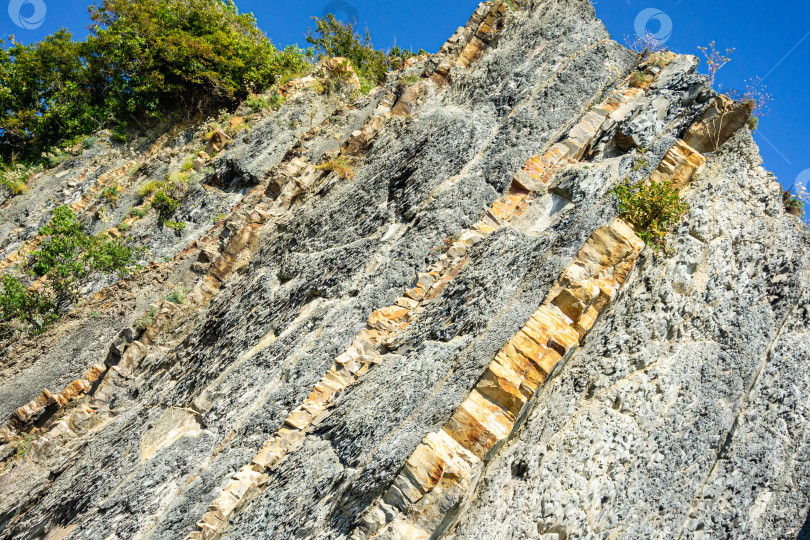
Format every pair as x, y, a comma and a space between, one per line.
365, 351
440, 290
441, 474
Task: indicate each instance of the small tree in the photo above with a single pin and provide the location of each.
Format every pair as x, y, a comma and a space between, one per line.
18, 303
67, 260
333, 37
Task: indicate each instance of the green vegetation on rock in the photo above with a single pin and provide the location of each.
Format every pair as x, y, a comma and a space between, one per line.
142, 59
651, 208
334, 38
67, 260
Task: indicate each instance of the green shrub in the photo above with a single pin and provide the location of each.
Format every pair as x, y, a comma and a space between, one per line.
18, 303
651, 208
794, 205
119, 137
366, 86
67, 259
176, 226
123, 226
141, 59
89, 142
164, 204
333, 38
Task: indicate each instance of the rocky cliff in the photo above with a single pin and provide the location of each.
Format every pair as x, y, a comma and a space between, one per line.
417, 314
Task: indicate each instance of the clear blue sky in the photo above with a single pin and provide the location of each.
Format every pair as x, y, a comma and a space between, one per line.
772, 41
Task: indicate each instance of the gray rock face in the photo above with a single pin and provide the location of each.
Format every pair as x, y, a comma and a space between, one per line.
682, 413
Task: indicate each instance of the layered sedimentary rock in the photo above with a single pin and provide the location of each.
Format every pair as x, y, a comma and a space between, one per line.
462, 340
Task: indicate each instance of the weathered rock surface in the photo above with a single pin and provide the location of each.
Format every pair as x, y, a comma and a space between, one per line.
461, 340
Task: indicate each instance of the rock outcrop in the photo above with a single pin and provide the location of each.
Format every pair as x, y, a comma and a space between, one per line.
417, 314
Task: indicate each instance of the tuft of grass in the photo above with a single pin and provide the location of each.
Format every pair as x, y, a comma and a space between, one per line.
176, 178
641, 161
23, 445
409, 80
89, 142
219, 217
15, 177
660, 59
187, 165
447, 243
341, 165
640, 79
149, 188
259, 103
318, 87
147, 319
110, 194
16, 186
179, 295
123, 226
55, 157
140, 211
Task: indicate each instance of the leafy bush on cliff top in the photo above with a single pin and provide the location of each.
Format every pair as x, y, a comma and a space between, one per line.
142, 58
336, 38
